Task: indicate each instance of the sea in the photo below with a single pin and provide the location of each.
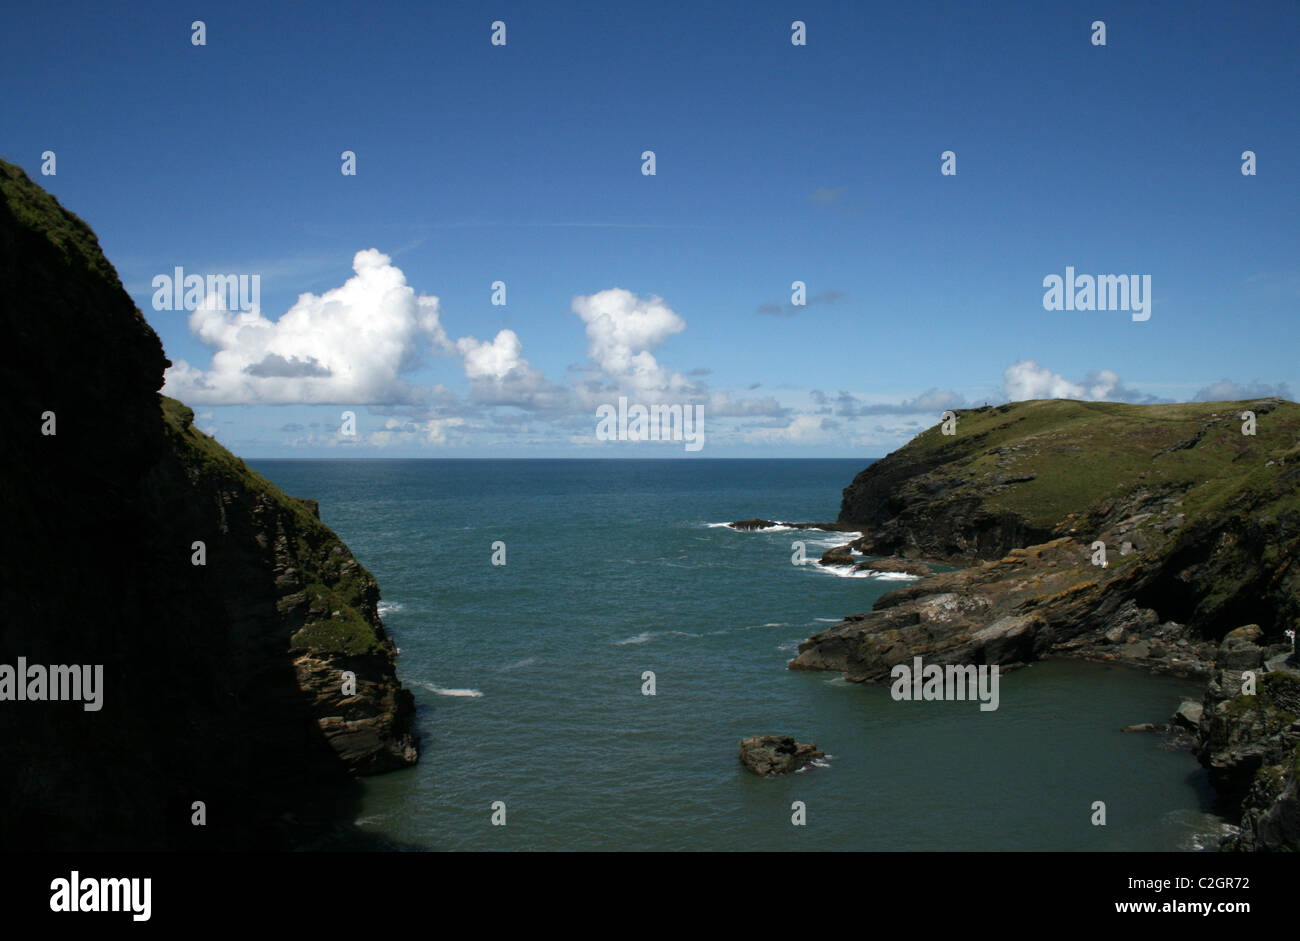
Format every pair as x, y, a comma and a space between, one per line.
533, 678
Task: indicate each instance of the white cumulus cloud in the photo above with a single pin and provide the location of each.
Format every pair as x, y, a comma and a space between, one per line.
499, 374
1026, 379
351, 344
622, 329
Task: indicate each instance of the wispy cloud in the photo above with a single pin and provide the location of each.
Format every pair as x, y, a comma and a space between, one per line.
789, 309
1225, 390
296, 268
825, 196
573, 225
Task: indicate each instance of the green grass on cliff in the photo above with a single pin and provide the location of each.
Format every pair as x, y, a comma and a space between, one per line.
1080, 453
208, 457
335, 626
37, 210
336, 582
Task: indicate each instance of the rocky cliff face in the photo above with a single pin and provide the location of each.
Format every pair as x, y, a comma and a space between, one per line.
223, 682
1250, 741
1201, 526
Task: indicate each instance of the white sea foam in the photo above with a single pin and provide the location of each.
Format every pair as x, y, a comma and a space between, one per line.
1209, 842
778, 528
388, 607
1206, 830
829, 620
824, 540
458, 693
638, 639
848, 571
842, 571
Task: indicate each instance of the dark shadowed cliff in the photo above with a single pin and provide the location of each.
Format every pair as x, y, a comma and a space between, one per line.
223, 683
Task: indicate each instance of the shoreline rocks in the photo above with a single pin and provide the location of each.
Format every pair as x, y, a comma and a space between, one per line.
1250, 744
1188, 715
895, 565
1134, 535
843, 556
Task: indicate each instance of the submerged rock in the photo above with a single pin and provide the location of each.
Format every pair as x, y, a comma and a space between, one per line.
776, 754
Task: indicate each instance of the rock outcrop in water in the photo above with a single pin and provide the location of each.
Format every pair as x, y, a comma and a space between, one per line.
223, 682
1200, 525
752, 524
776, 754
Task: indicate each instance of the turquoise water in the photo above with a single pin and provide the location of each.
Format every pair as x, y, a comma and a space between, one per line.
528, 676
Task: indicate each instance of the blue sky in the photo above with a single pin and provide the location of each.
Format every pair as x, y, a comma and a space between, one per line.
775, 163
